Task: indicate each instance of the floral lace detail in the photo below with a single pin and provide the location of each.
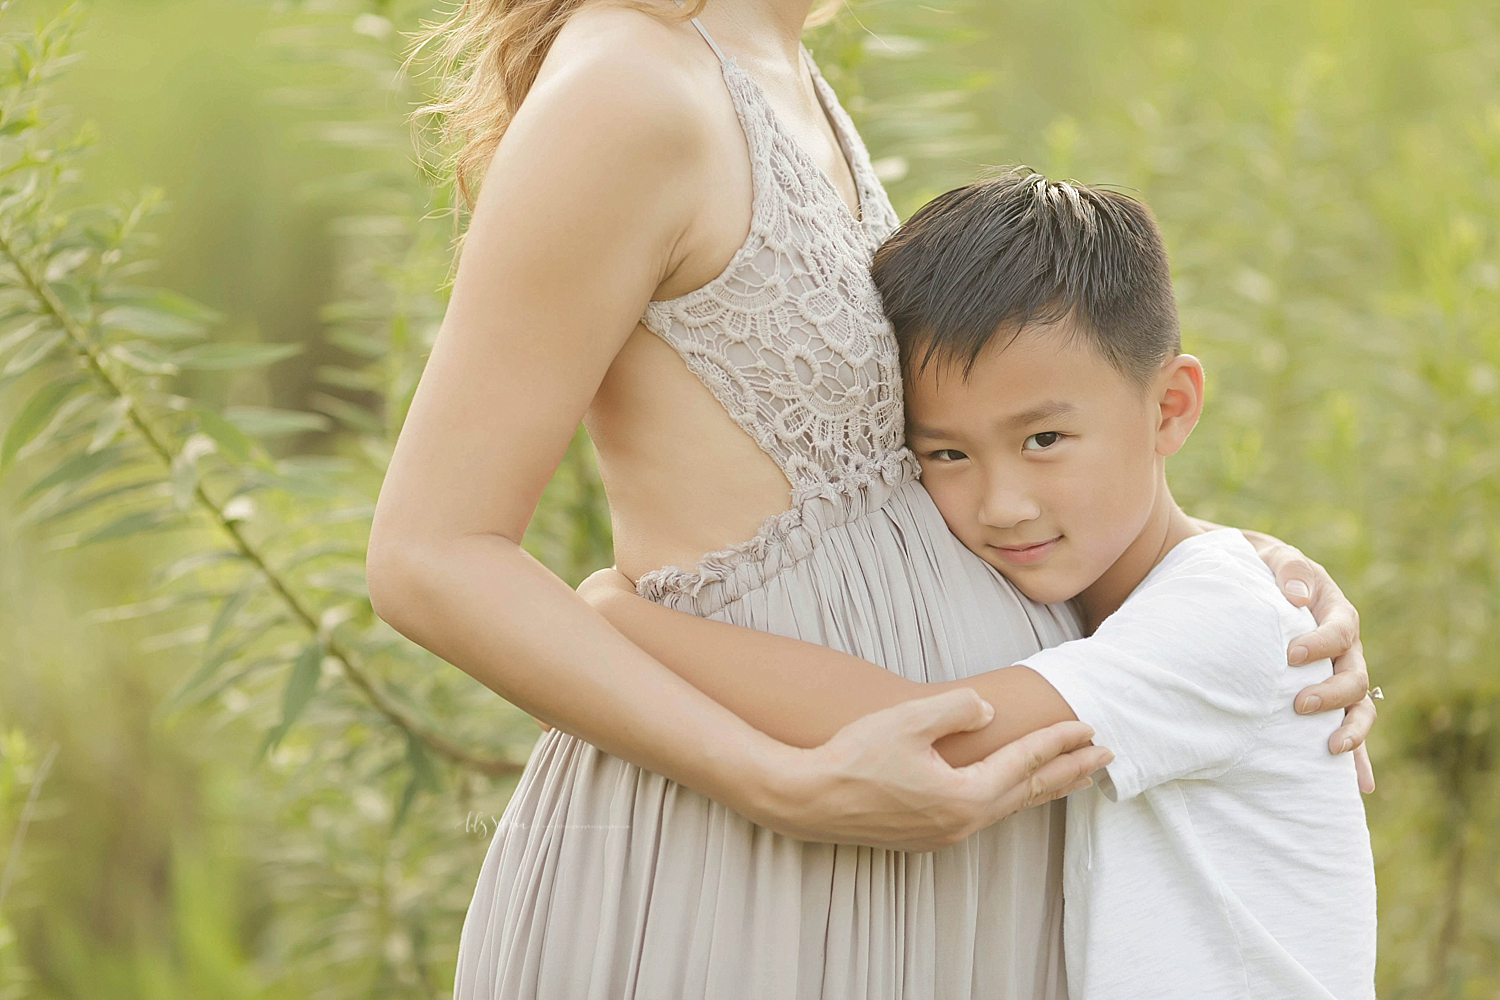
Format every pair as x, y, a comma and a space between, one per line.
723, 577
791, 337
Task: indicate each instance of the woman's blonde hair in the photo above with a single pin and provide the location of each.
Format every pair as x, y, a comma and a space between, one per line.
487, 56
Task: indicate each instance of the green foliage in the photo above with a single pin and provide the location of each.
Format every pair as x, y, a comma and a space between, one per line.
110, 442
1327, 175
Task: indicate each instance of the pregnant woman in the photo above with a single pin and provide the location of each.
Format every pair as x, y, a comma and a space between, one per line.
671, 243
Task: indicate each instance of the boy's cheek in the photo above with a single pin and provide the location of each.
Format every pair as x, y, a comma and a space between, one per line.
951, 502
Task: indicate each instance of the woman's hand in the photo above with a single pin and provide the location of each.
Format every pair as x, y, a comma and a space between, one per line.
879, 782
1307, 584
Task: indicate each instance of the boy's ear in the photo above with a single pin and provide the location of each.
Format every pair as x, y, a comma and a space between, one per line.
1178, 391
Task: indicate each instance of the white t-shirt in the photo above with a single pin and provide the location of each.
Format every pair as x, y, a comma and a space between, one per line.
1224, 852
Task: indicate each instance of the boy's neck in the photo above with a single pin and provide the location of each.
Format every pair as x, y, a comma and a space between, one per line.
1165, 527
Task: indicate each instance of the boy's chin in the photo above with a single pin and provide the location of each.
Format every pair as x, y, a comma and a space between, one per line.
1037, 587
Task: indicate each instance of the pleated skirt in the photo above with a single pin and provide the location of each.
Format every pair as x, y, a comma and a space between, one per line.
608, 882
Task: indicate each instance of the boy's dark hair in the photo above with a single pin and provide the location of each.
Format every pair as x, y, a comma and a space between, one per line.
1019, 249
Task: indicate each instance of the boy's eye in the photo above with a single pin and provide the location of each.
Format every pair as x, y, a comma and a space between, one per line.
1039, 442
947, 455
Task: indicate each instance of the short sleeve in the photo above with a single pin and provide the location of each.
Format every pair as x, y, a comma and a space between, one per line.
1177, 683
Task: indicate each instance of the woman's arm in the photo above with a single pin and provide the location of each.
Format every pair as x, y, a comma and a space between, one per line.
801, 692
580, 219
571, 234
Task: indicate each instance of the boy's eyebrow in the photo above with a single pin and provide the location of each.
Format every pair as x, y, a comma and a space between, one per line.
1043, 411
923, 431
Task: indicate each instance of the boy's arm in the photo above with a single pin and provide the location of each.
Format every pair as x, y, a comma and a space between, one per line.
802, 693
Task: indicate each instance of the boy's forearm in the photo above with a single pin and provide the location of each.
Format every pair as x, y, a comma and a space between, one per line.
803, 693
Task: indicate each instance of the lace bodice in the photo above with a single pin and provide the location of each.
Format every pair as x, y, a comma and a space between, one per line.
790, 337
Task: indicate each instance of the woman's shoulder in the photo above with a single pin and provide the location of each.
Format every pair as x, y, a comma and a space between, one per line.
623, 65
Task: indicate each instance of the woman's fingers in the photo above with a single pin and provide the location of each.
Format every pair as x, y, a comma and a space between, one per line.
1337, 635
1063, 775
1338, 625
1296, 575
1346, 688
1038, 767
1364, 769
883, 784
1358, 719
1306, 584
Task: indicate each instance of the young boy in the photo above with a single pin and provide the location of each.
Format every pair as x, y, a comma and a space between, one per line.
1223, 853
1045, 391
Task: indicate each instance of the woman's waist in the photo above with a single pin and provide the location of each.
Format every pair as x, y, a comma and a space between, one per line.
677, 517
675, 521
703, 583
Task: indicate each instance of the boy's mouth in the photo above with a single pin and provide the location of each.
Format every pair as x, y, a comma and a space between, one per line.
1026, 555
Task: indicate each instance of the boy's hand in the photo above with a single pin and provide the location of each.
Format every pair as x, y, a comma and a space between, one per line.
604, 584
1307, 584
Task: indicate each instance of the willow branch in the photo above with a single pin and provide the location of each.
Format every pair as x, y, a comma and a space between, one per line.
82, 346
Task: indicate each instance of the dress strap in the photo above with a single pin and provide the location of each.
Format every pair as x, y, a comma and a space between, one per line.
708, 38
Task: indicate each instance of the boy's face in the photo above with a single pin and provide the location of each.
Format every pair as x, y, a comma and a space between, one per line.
1047, 462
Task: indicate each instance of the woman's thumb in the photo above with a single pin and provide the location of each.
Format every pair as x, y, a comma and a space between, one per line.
958, 711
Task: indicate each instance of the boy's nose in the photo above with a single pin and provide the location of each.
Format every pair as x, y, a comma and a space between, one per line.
1006, 508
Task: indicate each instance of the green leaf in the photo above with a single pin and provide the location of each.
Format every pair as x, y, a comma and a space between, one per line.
145, 357
223, 356
359, 343
185, 468
66, 260
109, 424
178, 568
198, 697
225, 434
21, 333
231, 608
423, 778
73, 298
264, 421
349, 378
54, 506
77, 468
355, 417
184, 481
161, 301
34, 416
301, 684
208, 668
151, 323
62, 431
33, 354
135, 523
303, 479
20, 123
342, 550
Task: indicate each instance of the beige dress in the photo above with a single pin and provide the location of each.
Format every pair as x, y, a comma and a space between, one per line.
608, 882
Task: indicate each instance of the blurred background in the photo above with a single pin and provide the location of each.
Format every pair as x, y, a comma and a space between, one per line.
223, 257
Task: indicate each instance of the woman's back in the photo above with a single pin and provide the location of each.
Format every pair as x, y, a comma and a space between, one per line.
682, 477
